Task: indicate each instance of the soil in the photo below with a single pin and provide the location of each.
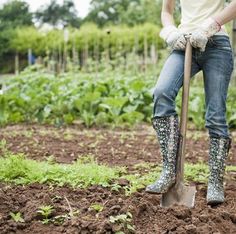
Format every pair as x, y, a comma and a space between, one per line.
111, 147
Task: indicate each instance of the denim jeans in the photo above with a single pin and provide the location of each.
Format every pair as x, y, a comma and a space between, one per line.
217, 66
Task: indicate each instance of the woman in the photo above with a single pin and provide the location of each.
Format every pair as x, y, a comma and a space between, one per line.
212, 53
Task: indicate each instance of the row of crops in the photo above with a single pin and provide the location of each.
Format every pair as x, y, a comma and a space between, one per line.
88, 37
61, 50
107, 98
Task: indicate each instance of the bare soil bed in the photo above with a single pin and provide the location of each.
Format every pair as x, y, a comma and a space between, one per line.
110, 147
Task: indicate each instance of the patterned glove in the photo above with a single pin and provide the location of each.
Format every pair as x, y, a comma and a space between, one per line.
174, 38
200, 37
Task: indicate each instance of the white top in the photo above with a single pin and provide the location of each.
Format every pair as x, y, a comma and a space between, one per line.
195, 12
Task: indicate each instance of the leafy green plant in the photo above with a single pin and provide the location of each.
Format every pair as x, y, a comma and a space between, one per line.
60, 219
17, 217
46, 212
110, 99
123, 222
97, 207
40, 97
116, 187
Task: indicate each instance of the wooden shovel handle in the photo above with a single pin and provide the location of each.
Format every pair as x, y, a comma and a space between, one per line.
184, 111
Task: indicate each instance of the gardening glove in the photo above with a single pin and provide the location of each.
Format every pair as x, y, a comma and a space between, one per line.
174, 38
200, 37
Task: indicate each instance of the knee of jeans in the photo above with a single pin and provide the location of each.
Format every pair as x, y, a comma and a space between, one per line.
162, 95
217, 126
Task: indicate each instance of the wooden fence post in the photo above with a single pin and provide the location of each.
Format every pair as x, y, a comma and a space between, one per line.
96, 56
75, 57
17, 64
145, 53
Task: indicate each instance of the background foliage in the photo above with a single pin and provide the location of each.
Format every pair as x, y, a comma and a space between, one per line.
118, 99
87, 37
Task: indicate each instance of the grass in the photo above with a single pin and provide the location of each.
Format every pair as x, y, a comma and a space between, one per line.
82, 173
86, 172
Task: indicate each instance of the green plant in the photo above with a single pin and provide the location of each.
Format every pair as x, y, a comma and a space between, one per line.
116, 187
123, 222
60, 219
17, 217
97, 207
86, 172
3, 146
110, 99
46, 212
88, 99
82, 173
87, 36
196, 172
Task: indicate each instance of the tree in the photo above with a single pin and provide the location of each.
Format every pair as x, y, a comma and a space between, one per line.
108, 11
124, 12
57, 15
14, 14
142, 12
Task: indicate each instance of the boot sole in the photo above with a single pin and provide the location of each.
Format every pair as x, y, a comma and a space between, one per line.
163, 192
214, 202
153, 192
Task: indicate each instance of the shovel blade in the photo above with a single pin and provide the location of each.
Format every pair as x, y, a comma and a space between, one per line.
181, 195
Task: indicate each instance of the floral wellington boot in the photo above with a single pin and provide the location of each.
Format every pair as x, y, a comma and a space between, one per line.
167, 129
219, 149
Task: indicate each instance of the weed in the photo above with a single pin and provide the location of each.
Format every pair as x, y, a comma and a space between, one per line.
87, 172
28, 133
93, 145
97, 207
3, 146
115, 187
123, 222
60, 219
196, 172
46, 212
68, 137
17, 217
139, 182
143, 165
50, 159
195, 135
82, 173
231, 168
56, 198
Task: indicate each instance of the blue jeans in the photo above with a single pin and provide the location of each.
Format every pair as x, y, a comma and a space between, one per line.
217, 66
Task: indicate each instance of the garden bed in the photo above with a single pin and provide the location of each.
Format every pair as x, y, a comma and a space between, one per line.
99, 209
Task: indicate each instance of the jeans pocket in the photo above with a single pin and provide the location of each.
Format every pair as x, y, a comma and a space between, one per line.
222, 43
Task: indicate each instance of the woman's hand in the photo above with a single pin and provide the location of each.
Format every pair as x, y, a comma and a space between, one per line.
175, 39
200, 37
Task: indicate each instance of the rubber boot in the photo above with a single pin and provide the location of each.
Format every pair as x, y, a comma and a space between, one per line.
167, 129
219, 149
